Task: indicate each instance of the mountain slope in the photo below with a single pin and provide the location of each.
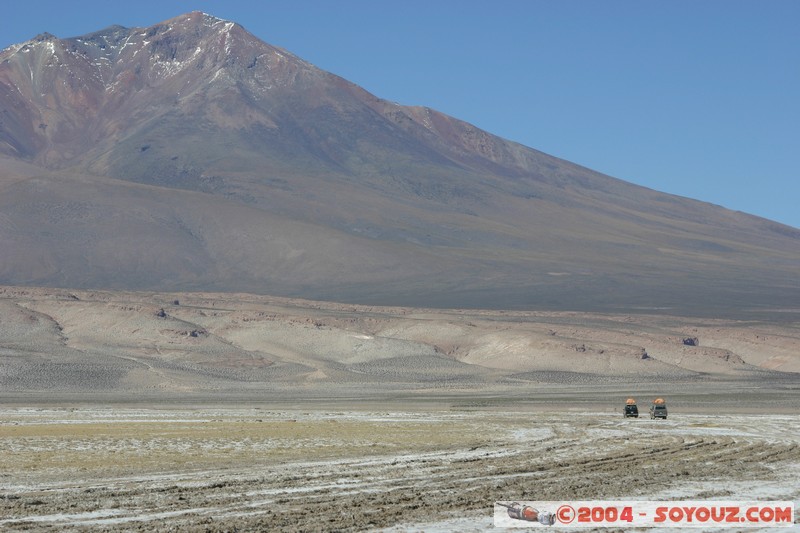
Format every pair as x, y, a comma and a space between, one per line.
192, 155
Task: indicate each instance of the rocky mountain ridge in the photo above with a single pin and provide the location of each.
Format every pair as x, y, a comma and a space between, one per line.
191, 155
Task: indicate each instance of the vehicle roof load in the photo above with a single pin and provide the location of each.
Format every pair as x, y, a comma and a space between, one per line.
630, 401
659, 401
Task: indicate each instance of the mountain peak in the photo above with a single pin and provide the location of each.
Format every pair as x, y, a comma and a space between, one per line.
46, 36
310, 185
204, 18
77, 91
193, 18
194, 21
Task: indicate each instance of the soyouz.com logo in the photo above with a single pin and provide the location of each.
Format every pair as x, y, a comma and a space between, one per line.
723, 514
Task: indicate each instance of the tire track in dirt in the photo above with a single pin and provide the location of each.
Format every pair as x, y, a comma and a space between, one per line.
447, 487
575, 460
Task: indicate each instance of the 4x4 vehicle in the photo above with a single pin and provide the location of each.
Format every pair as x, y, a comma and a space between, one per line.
630, 409
658, 409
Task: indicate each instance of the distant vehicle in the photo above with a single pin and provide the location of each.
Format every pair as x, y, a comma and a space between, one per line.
658, 409
630, 409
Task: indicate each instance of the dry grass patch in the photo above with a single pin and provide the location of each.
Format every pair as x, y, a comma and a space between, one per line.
110, 449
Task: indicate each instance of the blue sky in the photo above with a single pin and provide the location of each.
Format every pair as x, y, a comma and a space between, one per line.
695, 98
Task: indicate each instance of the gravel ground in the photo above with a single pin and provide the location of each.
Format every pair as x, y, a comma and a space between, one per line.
252, 413
319, 470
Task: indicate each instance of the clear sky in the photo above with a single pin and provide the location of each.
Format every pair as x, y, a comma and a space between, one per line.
699, 98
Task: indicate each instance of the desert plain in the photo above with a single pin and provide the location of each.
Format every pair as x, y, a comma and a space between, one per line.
130, 411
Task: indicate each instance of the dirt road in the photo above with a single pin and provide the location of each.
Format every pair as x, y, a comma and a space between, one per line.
318, 470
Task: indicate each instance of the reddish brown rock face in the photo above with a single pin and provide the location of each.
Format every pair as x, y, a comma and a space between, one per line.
191, 154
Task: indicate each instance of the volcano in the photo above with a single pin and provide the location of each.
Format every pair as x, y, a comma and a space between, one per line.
191, 155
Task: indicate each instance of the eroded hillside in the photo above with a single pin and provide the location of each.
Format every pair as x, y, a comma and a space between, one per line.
73, 341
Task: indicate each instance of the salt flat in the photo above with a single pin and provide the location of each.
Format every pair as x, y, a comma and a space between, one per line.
209, 412
307, 470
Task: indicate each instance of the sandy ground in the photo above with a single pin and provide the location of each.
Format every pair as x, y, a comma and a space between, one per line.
206, 412
319, 470
110, 345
